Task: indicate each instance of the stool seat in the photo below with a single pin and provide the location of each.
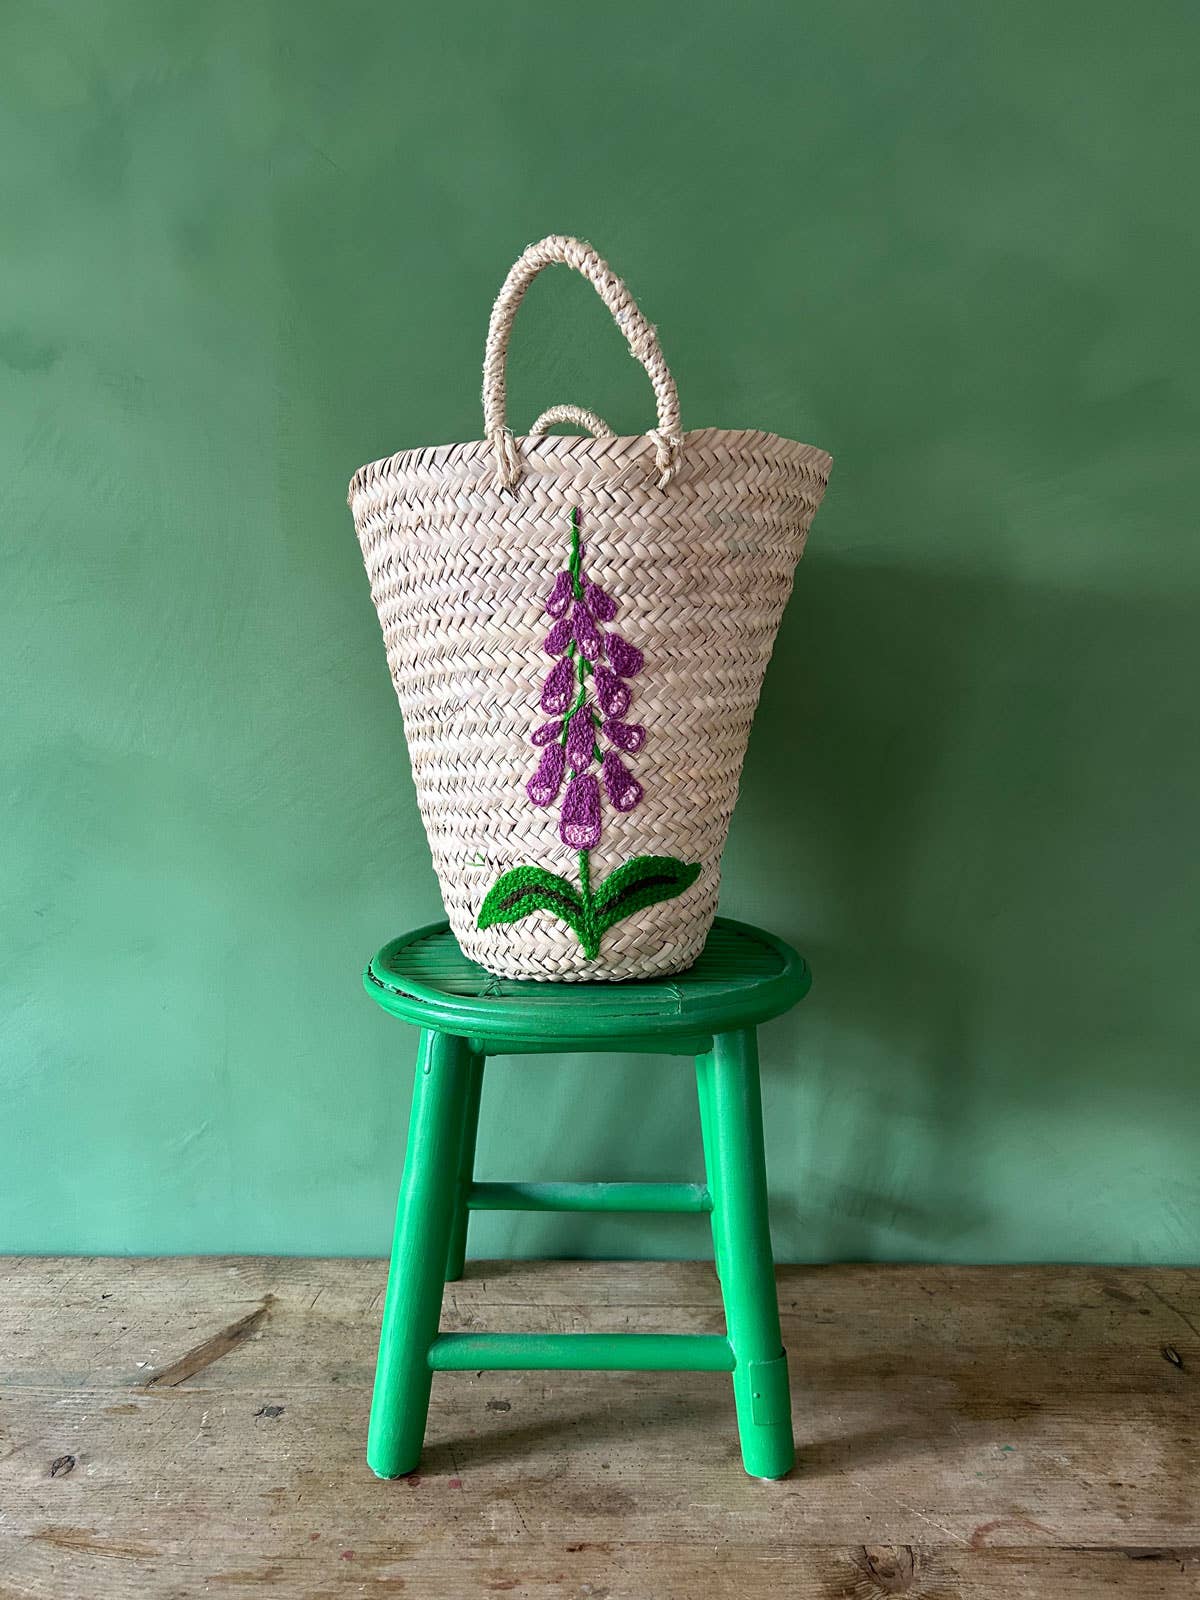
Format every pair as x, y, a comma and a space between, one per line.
742, 977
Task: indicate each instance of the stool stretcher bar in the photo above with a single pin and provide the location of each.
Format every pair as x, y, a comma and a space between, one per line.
589, 1197
581, 1352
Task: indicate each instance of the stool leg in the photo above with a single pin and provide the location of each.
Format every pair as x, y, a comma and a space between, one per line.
424, 1216
707, 1139
466, 1173
760, 1379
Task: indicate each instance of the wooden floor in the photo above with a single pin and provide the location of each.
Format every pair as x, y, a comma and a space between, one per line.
188, 1428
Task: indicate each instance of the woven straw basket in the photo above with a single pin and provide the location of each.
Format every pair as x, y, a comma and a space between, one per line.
577, 629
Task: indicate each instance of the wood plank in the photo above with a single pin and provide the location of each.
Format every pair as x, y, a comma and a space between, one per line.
321, 1571
999, 1432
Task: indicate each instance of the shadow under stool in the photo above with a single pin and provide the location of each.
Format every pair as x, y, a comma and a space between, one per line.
743, 977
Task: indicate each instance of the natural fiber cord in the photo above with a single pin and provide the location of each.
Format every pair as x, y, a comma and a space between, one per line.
695, 536
578, 415
640, 336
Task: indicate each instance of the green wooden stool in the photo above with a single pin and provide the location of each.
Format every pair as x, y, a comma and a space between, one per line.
743, 977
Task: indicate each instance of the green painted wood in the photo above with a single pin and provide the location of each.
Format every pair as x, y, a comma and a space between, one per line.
678, 1197
737, 1172
707, 1138
589, 1352
457, 1252
424, 1219
743, 976
671, 1044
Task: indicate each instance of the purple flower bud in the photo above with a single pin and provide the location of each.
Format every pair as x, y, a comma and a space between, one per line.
626, 658
627, 736
581, 739
559, 637
579, 826
543, 787
556, 691
547, 733
623, 788
559, 597
613, 695
586, 636
602, 606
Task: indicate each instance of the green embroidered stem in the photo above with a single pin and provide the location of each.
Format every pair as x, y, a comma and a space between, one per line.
590, 937
576, 585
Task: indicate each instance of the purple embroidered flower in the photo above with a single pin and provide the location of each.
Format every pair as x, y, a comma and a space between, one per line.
627, 736
626, 659
587, 636
602, 606
624, 791
579, 826
543, 787
560, 596
556, 691
585, 700
613, 695
559, 637
581, 740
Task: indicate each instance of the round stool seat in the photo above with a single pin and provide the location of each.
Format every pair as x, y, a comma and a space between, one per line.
742, 977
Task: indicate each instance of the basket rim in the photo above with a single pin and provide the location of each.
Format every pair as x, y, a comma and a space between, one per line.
546, 448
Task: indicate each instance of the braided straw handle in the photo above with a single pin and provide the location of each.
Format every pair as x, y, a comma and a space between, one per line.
579, 415
641, 337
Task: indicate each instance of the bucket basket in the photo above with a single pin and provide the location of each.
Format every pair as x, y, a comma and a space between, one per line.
577, 629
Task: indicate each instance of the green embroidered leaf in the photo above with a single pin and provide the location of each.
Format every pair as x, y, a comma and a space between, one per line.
642, 882
526, 889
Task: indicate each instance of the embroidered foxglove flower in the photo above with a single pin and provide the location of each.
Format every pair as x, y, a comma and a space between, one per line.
559, 637
613, 695
556, 691
581, 740
579, 826
625, 659
543, 787
602, 606
587, 636
627, 736
569, 741
578, 605
560, 597
624, 791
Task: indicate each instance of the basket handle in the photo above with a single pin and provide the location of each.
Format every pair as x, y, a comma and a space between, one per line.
579, 415
641, 337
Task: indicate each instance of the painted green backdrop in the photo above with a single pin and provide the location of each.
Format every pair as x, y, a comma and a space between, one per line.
247, 247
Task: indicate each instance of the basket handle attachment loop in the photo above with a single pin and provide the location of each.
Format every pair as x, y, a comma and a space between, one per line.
639, 334
580, 416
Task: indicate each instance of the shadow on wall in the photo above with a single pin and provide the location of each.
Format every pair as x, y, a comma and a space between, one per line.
969, 803
979, 800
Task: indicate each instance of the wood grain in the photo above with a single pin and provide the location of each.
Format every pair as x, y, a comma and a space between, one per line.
963, 1432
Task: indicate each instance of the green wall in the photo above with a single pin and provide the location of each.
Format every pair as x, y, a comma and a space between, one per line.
247, 247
